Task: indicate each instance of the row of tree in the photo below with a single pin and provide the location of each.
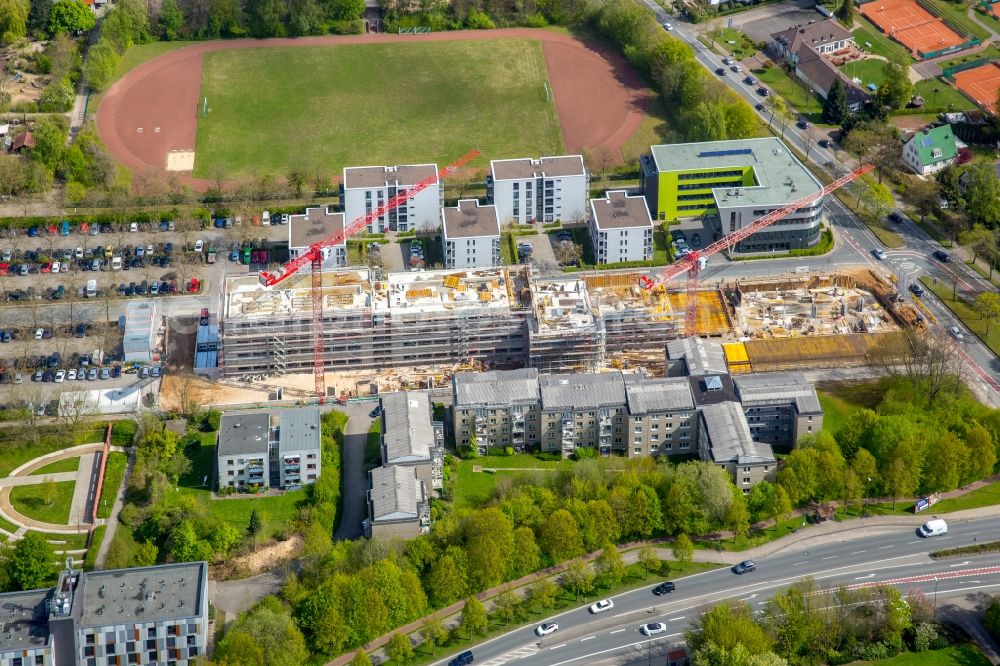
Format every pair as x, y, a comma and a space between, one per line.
807, 625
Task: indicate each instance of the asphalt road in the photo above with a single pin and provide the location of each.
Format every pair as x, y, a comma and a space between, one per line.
885, 555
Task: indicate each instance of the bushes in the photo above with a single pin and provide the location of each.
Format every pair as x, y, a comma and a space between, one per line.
123, 432
975, 549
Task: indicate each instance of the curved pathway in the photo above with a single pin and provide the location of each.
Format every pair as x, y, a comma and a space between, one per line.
599, 97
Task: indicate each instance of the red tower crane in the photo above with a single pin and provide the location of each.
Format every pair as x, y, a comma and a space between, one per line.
314, 256
691, 263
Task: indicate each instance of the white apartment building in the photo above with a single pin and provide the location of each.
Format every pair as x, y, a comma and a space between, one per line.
311, 227
471, 235
367, 188
621, 228
526, 191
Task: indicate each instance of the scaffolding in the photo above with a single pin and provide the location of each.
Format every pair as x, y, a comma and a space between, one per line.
565, 332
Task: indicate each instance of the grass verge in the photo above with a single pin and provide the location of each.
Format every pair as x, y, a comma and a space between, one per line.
964, 654
95, 547
113, 474
35, 502
64, 465
965, 313
804, 101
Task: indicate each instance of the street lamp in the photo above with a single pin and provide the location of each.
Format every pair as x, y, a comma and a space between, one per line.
864, 510
935, 597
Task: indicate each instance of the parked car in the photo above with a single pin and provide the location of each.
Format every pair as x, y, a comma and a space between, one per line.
92, 374
896, 217
801, 124
749, 80
763, 92
105, 373
60, 376
199, 245
744, 567
824, 143
71, 374
144, 372
155, 371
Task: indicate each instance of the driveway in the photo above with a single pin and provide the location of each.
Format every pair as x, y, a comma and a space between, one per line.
392, 257
542, 256
354, 489
760, 24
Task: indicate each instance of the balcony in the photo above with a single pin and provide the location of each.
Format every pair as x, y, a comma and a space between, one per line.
292, 469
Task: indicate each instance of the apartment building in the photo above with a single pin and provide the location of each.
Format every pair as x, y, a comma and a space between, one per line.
411, 438
579, 410
661, 418
275, 449
313, 226
502, 408
735, 183
145, 615
526, 191
621, 228
365, 189
471, 235
780, 407
398, 506
724, 438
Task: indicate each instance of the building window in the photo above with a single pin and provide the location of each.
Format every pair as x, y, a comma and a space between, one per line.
637, 450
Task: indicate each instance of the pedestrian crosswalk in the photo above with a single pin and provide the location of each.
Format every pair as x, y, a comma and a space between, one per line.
514, 655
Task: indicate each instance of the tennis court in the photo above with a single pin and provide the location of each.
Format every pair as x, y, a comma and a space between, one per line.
981, 84
911, 25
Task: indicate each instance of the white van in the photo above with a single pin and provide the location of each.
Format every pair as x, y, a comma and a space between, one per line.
91, 288
116, 263
935, 527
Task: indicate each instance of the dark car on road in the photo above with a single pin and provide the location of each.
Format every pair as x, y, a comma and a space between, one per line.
720, 71
896, 217
802, 124
375, 413
763, 92
942, 256
744, 567
664, 588
916, 288
464, 659
824, 143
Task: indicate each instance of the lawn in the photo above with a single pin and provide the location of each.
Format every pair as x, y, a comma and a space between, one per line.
31, 502
964, 654
65, 465
273, 109
91, 559
803, 100
741, 47
835, 410
113, 474
869, 71
7, 525
13, 455
964, 311
947, 97
651, 132
991, 52
880, 44
988, 495
472, 489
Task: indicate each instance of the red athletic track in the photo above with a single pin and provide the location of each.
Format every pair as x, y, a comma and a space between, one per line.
599, 98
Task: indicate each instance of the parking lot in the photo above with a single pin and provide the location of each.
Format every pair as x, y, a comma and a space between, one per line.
542, 255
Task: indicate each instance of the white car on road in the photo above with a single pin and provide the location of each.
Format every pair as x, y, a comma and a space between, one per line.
879, 253
546, 628
653, 628
956, 333
601, 606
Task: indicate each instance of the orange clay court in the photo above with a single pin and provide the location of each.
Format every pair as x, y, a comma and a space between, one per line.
981, 84
911, 25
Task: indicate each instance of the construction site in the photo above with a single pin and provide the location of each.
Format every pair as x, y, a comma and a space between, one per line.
415, 329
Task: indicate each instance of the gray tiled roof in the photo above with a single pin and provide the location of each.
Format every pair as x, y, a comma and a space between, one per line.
617, 210
729, 435
395, 494
496, 388
146, 594
316, 224
243, 433
701, 356
380, 176
654, 395
548, 167
470, 220
407, 434
299, 429
784, 387
582, 391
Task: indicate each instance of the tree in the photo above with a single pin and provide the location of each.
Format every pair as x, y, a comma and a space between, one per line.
683, 549
987, 305
346, 10
780, 111
559, 536
728, 626
254, 525
49, 491
982, 194
127, 24
982, 242
928, 359
649, 560
473, 617
265, 635
739, 517
781, 506
610, 566
171, 20
875, 200
102, 61
899, 88
578, 578
361, 658
991, 620
542, 592
446, 581
399, 649
38, 15
30, 562
13, 20
432, 632
835, 108
845, 12
568, 253
186, 546
925, 195
506, 605
70, 16
877, 143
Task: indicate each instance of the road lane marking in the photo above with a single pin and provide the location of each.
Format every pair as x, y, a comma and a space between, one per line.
830, 557
674, 619
857, 552
871, 575
587, 638
556, 647
884, 547
960, 564
617, 631
799, 564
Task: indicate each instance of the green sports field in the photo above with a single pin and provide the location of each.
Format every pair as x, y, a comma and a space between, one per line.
328, 107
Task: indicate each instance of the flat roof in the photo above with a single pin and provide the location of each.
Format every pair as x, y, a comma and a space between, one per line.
396, 493
24, 620
544, 167
446, 290
496, 388
729, 435
778, 387
593, 390
562, 306
144, 594
343, 289
700, 356
470, 220
243, 433
646, 395
407, 434
617, 210
298, 429
779, 175
381, 176
316, 224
